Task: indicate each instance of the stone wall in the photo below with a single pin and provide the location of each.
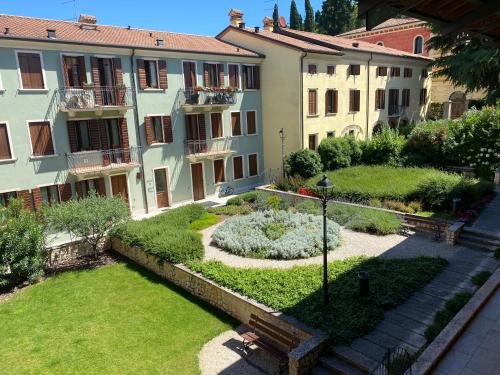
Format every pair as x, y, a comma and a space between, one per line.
57, 255
301, 359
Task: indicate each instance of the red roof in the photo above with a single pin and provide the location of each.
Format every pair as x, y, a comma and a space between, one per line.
391, 22
36, 29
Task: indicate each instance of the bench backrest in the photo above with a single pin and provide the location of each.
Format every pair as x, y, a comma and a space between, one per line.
422, 219
276, 334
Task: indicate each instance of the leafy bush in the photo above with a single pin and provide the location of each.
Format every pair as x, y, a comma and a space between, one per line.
168, 236
497, 253
383, 148
398, 206
231, 210
339, 152
275, 234
305, 163
248, 197
289, 183
480, 278
426, 144
22, 246
436, 111
207, 219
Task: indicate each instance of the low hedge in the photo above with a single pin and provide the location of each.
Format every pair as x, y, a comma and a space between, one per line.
170, 236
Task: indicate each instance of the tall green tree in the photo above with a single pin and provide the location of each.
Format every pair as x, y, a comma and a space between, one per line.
294, 16
356, 23
317, 17
472, 62
309, 24
276, 16
301, 22
336, 16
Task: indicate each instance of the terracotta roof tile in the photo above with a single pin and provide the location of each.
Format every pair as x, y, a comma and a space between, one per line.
36, 29
391, 22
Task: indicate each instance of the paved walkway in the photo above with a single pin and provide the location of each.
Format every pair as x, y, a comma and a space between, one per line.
489, 220
477, 351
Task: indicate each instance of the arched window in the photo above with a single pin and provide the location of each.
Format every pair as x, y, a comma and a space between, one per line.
418, 45
380, 43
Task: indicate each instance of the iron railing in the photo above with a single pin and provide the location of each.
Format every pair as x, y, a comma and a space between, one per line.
208, 146
207, 97
396, 361
89, 97
396, 110
98, 160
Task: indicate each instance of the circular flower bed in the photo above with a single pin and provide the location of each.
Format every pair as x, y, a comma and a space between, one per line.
276, 234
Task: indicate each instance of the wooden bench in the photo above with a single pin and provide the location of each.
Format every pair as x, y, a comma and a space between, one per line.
273, 339
412, 221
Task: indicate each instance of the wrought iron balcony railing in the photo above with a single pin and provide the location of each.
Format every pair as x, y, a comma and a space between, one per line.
101, 160
91, 98
209, 147
204, 97
396, 110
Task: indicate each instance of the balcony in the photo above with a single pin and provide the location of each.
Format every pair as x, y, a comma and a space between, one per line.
395, 110
207, 99
87, 163
94, 99
209, 149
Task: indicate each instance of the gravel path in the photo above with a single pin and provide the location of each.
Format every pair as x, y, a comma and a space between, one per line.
224, 355
353, 244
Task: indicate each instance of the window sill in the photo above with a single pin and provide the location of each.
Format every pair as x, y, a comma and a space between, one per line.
158, 144
219, 183
34, 91
250, 90
152, 89
252, 135
34, 157
331, 114
255, 175
238, 179
312, 116
8, 161
218, 138
352, 112
236, 136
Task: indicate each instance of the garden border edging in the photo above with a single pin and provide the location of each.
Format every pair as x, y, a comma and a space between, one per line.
300, 360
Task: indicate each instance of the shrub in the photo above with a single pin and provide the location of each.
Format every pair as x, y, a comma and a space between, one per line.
207, 219
275, 234
230, 210
339, 152
167, 235
398, 206
457, 302
426, 143
305, 163
383, 148
497, 253
436, 111
248, 197
22, 246
289, 183
480, 278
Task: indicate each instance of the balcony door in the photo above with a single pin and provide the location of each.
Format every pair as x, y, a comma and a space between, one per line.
197, 181
161, 187
196, 134
189, 69
119, 187
107, 80
393, 101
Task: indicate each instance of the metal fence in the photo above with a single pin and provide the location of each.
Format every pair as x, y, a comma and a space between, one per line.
96, 160
206, 97
208, 146
397, 361
78, 98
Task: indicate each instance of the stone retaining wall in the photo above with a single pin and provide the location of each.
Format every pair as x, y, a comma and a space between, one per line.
57, 255
301, 359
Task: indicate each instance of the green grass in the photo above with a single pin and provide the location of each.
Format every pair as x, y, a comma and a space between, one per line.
207, 219
297, 291
361, 183
117, 319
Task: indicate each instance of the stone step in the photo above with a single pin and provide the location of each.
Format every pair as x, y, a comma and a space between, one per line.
482, 233
319, 370
478, 238
354, 358
338, 366
475, 244
369, 349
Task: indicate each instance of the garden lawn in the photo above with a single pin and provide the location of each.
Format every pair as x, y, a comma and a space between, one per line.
361, 183
297, 291
117, 319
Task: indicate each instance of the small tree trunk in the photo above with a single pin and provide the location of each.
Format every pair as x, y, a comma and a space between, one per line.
96, 251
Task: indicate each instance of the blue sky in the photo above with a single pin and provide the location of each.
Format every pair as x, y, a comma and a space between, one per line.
205, 17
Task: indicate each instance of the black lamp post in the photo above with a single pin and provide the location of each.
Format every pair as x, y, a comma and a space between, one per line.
282, 137
324, 185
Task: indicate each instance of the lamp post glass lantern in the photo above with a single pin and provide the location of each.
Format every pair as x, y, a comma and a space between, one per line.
325, 185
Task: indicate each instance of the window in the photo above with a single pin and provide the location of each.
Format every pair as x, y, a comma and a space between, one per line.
82, 135
212, 77
405, 99
216, 125
379, 99
408, 72
354, 70
313, 144
380, 43
425, 73
330, 70
31, 71
6, 197
312, 69
352, 133
253, 165
251, 122
74, 71
354, 96
251, 77
381, 71
393, 102
418, 44
50, 194
5, 151
395, 71
41, 138
313, 102
151, 70
157, 129
330, 134
234, 75
113, 130
237, 167
331, 101
423, 96
84, 188
219, 171
235, 124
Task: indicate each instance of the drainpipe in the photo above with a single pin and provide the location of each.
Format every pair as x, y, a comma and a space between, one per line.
138, 131
368, 98
304, 55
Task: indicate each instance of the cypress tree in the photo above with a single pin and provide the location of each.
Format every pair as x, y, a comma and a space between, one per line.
309, 21
301, 23
294, 16
276, 16
317, 17
336, 16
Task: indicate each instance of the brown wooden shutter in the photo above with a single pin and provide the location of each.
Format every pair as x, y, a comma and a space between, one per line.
79, 190
235, 123
216, 122
27, 199
335, 101
41, 138
95, 134
117, 66
82, 69
124, 133
201, 127
237, 167
234, 79
220, 69
206, 68
72, 136
219, 171
328, 101
251, 123
31, 70
162, 66
313, 105
65, 192
252, 165
357, 97
4, 143
167, 129
37, 197
149, 129
96, 79
141, 73
256, 77
24, 68
66, 69
100, 187
245, 76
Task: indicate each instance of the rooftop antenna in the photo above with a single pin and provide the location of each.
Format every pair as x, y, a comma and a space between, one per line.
75, 10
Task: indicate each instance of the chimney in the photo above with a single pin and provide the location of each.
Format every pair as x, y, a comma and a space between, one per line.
160, 42
235, 17
87, 18
257, 29
7, 31
51, 33
268, 24
355, 44
241, 25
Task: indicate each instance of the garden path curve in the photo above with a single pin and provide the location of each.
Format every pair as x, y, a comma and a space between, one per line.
353, 244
